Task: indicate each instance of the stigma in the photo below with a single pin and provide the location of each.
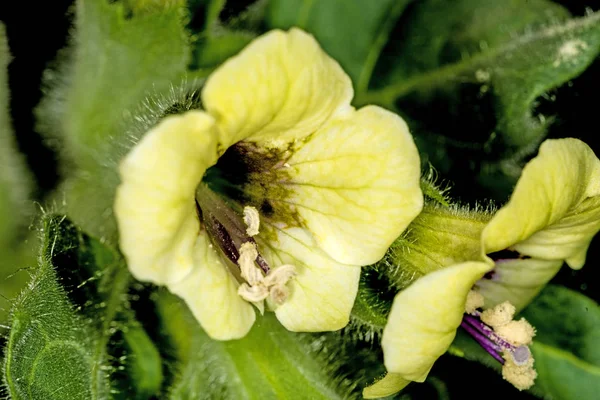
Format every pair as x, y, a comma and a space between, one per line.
505, 339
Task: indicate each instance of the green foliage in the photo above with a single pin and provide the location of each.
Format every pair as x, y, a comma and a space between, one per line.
119, 56
468, 75
51, 350
220, 40
566, 351
269, 363
68, 318
353, 32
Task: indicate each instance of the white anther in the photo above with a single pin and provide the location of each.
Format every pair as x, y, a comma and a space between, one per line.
279, 294
280, 275
249, 271
252, 220
500, 315
517, 333
253, 294
474, 301
522, 375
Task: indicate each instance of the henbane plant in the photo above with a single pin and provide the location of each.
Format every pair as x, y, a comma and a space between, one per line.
295, 199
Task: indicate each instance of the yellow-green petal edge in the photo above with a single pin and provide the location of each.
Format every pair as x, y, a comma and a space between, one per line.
554, 211
280, 88
155, 204
386, 386
356, 184
424, 317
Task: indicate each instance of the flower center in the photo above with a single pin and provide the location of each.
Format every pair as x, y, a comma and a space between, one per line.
248, 174
233, 234
504, 338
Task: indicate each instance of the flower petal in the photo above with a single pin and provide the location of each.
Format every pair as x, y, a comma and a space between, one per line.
517, 281
424, 318
323, 291
555, 209
281, 87
155, 205
386, 386
210, 292
355, 184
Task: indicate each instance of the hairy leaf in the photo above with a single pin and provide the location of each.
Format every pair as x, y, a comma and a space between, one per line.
468, 75
120, 55
269, 363
71, 332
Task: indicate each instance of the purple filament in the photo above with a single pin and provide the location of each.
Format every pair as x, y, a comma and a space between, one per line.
487, 331
483, 341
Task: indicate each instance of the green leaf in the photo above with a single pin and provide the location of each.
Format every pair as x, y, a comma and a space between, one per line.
50, 350
353, 32
468, 75
211, 51
220, 40
269, 363
120, 57
68, 325
566, 351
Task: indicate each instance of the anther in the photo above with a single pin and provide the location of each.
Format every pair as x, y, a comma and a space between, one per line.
249, 271
252, 220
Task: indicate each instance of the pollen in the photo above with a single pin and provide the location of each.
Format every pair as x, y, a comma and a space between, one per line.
279, 294
252, 220
253, 294
517, 333
499, 315
474, 301
276, 280
249, 271
520, 376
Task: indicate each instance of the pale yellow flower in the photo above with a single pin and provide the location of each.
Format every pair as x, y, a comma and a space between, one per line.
277, 192
551, 218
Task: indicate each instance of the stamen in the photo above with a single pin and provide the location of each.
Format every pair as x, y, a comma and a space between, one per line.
276, 281
522, 376
521, 355
474, 301
518, 333
222, 237
505, 340
279, 294
253, 294
252, 220
250, 272
280, 275
257, 280
500, 315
